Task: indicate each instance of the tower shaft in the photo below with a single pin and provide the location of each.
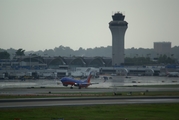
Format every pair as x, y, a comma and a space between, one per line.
118, 28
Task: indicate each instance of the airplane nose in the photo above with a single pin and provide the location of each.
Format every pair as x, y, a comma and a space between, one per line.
62, 79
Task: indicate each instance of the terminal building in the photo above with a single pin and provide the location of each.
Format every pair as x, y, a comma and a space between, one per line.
63, 66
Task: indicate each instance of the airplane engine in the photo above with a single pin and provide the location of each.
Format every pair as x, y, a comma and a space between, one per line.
76, 84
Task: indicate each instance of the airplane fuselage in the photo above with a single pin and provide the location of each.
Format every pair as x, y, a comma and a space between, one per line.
69, 81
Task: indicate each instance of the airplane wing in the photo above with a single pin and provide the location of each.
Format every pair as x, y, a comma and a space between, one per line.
94, 83
88, 83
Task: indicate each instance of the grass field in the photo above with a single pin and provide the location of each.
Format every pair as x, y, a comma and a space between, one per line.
95, 112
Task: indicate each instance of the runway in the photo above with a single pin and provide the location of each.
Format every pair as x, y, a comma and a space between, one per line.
34, 91
117, 84
120, 84
111, 83
39, 102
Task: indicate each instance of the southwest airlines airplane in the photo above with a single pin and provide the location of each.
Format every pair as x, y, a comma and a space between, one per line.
79, 83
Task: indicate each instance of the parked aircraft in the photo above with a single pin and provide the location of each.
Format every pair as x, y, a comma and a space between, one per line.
79, 83
173, 74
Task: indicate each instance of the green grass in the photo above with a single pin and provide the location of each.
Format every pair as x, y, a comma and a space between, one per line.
95, 112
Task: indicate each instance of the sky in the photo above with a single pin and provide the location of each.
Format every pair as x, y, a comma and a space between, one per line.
46, 24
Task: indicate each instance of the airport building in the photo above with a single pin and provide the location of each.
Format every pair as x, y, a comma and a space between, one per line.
118, 28
38, 62
49, 67
162, 48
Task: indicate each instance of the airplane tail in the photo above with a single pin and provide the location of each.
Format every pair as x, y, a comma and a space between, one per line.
89, 77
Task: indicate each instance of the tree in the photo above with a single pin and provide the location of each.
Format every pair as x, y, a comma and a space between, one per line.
20, 52
4, 55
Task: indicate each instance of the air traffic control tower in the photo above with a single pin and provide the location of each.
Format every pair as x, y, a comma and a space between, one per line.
118, 28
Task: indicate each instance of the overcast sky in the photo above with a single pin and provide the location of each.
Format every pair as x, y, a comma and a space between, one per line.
46, 24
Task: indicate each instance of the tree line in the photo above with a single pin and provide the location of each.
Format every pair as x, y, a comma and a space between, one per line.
132, 56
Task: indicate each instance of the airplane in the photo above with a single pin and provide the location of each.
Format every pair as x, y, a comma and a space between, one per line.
80, 83
173, 74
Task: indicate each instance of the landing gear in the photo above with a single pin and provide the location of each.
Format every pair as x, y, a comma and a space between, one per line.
79, 87
71, 87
